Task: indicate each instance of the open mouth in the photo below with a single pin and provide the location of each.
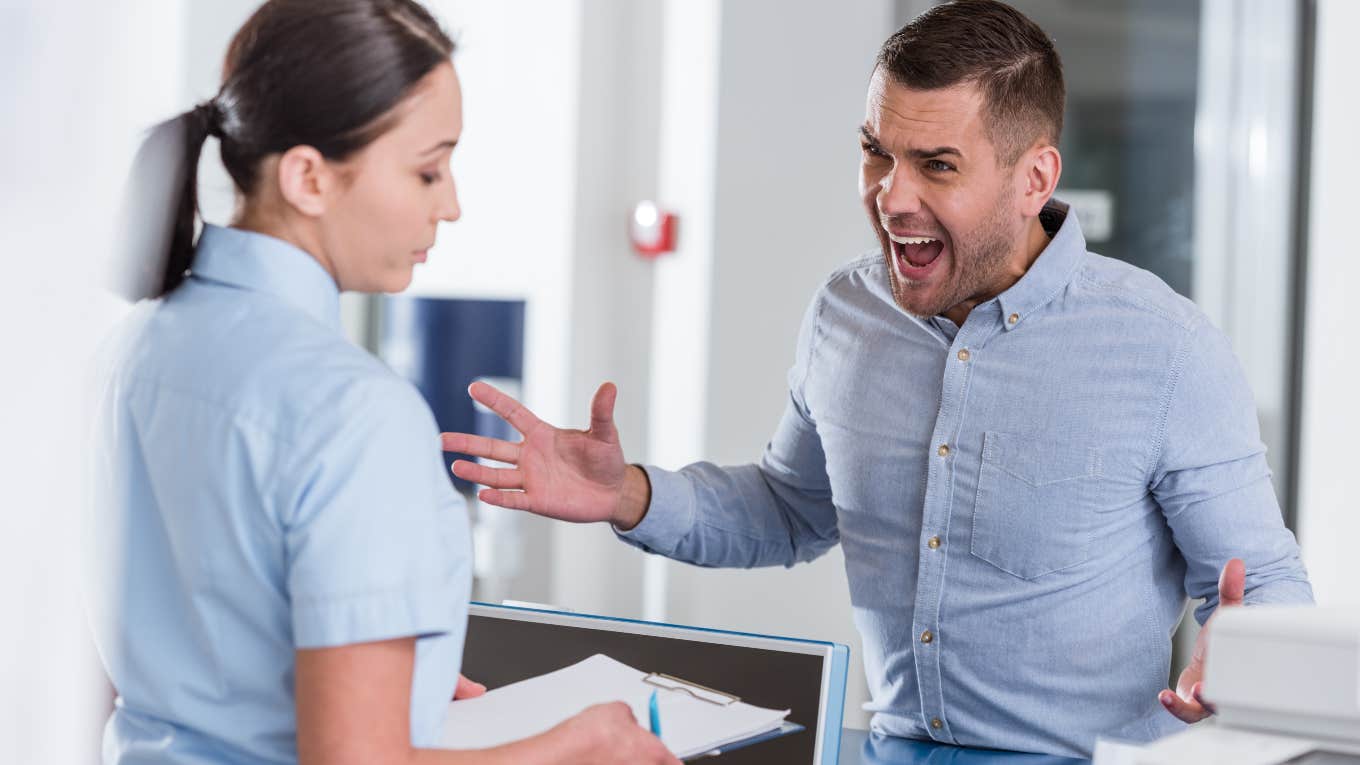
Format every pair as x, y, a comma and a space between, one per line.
915, 256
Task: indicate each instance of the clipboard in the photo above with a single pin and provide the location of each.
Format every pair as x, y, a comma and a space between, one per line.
716, 697
506, 643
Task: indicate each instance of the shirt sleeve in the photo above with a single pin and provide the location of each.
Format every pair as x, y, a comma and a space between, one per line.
372, 541
777, 512
1213, 485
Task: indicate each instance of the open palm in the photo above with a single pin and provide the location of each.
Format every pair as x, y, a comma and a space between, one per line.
571, 475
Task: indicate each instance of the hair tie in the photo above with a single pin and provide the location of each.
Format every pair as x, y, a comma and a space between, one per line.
210, 114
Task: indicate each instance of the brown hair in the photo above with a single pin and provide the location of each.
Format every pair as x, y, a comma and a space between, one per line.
996, 48
300, 72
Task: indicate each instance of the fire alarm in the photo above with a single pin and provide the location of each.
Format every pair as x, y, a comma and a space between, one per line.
652, 230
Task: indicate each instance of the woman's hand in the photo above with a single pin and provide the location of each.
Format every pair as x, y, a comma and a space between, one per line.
607, 734
467, 689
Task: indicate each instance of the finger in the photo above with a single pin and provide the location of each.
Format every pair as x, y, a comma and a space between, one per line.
467, 689
496, 478
1186, 711
602, 411
1198, 694
480, 446
509, 409
513, 500
1232, 583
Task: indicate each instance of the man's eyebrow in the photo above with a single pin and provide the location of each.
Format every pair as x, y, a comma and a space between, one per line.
938, 151
438, 146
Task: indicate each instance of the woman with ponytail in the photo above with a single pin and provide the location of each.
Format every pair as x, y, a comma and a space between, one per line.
285, 567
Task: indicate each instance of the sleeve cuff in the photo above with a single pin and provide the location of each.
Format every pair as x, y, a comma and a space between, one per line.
384, 615
670, 516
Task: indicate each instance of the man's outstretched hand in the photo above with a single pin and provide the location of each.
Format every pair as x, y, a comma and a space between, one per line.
1187, 701
571, 475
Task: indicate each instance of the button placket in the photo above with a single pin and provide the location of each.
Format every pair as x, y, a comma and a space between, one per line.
934, 522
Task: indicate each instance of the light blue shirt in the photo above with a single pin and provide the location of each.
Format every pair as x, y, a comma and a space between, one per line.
261, 485
1039, 490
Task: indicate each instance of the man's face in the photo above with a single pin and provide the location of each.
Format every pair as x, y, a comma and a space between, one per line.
944, 211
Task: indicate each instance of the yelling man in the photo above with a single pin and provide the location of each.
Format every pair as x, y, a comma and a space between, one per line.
1032, 455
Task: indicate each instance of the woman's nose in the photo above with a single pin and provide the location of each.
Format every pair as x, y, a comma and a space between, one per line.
448, 204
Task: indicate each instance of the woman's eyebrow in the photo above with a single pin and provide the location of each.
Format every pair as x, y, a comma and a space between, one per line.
438, 146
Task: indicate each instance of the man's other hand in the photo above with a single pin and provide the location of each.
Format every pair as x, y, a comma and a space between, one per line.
1187, 701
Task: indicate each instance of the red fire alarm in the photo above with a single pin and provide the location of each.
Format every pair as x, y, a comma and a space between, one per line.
652, 230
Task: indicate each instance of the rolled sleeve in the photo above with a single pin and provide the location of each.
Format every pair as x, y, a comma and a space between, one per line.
372, 544
670, 516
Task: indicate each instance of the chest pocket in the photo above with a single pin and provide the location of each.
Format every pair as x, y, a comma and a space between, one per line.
1035, 511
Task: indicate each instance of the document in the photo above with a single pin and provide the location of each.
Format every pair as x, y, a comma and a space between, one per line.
694, 720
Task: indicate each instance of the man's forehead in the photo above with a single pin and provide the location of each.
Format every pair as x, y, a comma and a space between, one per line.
955, 111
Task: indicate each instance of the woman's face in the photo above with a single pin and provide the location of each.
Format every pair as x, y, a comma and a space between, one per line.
398, 188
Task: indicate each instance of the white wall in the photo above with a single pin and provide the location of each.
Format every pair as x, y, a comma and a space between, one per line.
81, 81
1329, 491
792, 79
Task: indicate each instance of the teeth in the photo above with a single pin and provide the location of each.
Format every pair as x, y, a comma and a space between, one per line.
911, 239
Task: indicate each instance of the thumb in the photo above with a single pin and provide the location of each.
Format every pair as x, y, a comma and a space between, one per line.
602, 412
1232, 583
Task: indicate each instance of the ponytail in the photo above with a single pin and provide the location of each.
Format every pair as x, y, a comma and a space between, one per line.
198, 123
160, 202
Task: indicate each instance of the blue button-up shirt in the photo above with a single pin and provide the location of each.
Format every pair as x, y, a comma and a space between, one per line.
261, 486
1024, 501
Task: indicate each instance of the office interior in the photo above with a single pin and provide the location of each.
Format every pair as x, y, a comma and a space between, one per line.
1209, 141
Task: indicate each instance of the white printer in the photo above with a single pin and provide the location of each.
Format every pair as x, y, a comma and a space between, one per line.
1286, 683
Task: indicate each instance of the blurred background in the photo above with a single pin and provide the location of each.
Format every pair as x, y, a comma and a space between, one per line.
1210, 141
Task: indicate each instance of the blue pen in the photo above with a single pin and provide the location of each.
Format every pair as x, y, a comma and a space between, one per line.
656, 716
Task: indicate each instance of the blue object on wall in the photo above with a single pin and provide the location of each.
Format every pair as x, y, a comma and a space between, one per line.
442, 344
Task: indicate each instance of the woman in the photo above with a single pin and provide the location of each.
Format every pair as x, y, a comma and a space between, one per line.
292, 574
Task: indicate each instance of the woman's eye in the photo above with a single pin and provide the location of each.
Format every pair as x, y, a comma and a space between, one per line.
429, 179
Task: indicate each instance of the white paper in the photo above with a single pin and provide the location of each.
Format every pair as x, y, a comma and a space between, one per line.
520, 710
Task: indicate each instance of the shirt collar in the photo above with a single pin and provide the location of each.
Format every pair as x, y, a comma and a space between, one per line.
1051, 271
262, 263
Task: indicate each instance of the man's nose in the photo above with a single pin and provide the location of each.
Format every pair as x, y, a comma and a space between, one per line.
898, 193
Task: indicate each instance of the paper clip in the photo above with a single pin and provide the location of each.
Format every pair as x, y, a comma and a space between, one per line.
700, 692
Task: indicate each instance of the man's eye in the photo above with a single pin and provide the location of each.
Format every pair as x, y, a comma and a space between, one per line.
872, 150
937, 166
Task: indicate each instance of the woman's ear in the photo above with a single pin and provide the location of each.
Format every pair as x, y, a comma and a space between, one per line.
305, 180
1041, 166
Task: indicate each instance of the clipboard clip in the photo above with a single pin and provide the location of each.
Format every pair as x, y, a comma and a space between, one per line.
700, 692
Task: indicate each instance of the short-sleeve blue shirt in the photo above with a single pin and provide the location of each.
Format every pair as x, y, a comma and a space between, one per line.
261, 485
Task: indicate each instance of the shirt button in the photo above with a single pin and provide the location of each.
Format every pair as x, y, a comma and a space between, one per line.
936, 723
1013, 318
927, 637
934, 543
943, 451
964, 355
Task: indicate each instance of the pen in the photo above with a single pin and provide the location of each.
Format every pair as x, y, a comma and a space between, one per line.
656, 716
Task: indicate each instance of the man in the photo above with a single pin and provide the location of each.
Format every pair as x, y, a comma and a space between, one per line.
1031, 454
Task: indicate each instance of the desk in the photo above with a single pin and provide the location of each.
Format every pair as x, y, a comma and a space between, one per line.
860, 748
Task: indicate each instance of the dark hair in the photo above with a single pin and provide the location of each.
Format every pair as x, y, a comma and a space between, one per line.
301, 72
995, 47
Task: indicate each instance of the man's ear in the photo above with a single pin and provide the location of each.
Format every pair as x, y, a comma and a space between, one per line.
1041, 167
305, 180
